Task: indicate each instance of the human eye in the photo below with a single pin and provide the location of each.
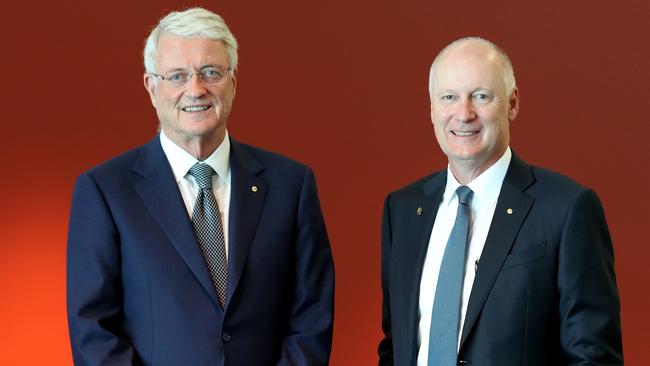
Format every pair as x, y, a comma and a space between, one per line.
211, 74
481, 97
447, 98
178, 77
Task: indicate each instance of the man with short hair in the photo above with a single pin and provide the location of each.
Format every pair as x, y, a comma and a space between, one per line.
196, 249
493, 262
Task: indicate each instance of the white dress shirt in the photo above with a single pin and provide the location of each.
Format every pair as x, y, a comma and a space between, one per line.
181, 161
486, 188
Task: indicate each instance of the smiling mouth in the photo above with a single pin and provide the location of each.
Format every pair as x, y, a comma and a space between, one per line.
464, 133
196, 108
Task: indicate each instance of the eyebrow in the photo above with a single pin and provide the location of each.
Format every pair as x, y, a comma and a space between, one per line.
203, 67
479, 89
220, 67
447, 91
175, 70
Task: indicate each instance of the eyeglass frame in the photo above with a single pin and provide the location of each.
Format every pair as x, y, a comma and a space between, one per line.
190, 74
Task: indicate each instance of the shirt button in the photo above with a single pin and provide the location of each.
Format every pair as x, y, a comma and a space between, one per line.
226, 337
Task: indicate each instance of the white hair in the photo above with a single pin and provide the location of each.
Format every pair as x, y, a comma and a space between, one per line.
508, 71
194, 22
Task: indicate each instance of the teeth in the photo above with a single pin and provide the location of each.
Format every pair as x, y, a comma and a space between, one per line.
195, 108
463, 133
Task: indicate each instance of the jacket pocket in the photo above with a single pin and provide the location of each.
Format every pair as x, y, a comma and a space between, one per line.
534, 252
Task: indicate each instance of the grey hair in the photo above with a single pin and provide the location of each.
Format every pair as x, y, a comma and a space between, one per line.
194, 22
508, 74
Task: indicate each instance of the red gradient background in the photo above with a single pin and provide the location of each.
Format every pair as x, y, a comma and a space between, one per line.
340, 85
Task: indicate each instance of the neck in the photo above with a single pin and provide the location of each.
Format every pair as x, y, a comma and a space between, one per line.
463, 174
200, 147
201, 150
466, 171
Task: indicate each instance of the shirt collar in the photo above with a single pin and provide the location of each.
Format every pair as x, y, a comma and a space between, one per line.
181, 161
486, 186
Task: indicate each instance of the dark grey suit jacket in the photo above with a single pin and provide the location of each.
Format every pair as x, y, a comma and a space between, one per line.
545, 290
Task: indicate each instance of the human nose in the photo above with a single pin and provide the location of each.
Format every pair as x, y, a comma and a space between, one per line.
465, 111
195, 85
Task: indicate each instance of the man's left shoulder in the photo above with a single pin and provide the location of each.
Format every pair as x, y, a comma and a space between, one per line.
559, 183
536, 178
557, 191
271, 162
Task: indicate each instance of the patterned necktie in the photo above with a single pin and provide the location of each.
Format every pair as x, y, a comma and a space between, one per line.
206, 220
445, 316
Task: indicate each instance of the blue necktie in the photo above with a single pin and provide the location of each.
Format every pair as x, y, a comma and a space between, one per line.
445, 316
209, 229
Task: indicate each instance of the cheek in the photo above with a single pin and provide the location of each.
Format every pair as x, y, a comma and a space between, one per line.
160, 101
171, 98
440, 121
436, 117
440, 134
498, 130
228, 94
227, 97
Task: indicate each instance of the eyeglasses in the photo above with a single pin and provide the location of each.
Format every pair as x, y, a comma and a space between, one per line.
209, 75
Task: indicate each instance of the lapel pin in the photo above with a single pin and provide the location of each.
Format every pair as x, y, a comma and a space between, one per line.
419, 211
509, 211
254, 188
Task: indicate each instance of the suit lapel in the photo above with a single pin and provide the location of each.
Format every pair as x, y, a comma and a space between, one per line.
421, 213
158, 189
248, 192
511, 210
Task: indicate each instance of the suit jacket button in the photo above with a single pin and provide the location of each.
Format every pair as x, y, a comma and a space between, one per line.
226, 337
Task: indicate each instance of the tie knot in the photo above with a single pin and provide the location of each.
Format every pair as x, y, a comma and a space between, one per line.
464, 195
203, 174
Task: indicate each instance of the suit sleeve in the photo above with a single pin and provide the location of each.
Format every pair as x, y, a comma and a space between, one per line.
309, 338
590, 330
94, 302
385, 349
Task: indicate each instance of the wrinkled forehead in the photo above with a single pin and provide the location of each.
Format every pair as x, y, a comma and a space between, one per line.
181, 51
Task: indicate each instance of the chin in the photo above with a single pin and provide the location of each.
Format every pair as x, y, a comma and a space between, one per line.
203, 124
465, 153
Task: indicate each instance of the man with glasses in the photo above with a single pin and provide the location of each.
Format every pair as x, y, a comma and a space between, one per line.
196, 249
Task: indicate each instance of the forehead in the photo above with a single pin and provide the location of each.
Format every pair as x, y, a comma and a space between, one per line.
469, 66
190, 52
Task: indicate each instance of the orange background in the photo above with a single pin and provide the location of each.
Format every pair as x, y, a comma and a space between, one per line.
340, 85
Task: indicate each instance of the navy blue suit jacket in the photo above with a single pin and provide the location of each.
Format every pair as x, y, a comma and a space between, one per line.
545, 291
139, 291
